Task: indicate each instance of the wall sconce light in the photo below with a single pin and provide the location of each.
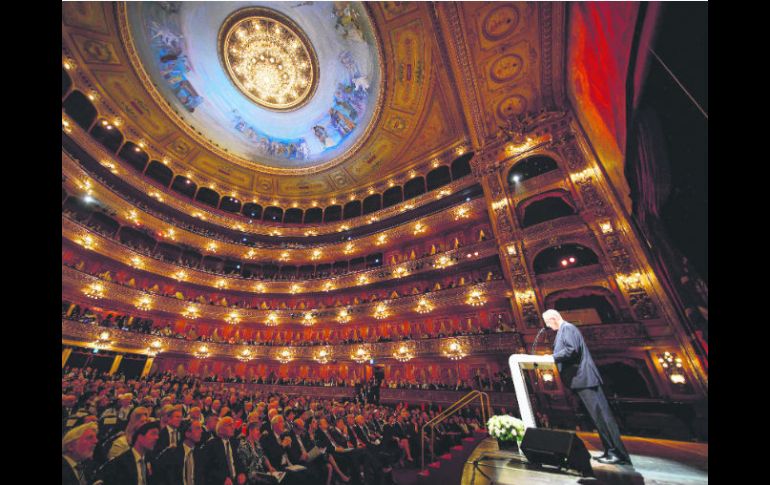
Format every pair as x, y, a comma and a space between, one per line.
272, 319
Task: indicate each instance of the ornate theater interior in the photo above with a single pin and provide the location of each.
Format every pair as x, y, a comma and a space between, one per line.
378, 200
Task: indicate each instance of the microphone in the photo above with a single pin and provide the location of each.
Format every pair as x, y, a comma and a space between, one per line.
534, 344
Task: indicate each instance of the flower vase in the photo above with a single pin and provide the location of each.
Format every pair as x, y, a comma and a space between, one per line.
519, 439
507, 445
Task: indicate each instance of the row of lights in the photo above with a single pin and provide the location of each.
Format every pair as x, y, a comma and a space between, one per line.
475, 297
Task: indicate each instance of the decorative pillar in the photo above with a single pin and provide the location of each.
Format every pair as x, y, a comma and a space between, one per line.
147, 366
65, 355
523, 301
115, 364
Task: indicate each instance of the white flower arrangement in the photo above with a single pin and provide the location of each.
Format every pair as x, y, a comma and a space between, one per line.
506, 428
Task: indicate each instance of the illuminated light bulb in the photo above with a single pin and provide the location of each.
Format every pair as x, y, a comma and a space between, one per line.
571, 259
272, 319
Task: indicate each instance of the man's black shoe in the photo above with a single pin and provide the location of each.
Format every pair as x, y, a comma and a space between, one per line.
613, 460
597, 458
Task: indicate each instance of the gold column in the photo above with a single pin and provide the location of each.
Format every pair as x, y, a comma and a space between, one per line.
147, 366
116, 364
65, 355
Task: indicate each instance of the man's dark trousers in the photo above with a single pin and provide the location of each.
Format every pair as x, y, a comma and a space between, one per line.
596, 403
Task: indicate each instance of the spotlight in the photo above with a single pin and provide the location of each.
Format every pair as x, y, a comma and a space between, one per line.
571, 259
564, 262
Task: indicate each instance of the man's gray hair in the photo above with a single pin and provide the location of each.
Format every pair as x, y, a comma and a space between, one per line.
552, 313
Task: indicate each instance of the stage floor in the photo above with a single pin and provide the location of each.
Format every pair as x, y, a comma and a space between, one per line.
656, 462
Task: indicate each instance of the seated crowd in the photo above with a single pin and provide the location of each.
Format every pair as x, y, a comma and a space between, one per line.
166, 429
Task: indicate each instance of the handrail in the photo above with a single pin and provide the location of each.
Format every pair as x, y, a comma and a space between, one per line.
486, 411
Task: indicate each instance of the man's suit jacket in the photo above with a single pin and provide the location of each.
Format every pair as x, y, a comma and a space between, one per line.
323, 441
164, 440
168, 467
576, 367
295, 451
217, 468
68, 476
121, 470
273, 449
361, 436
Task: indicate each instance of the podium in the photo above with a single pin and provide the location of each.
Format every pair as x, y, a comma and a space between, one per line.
519, 363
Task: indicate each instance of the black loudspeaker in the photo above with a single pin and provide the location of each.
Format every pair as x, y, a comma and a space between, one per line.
562, 449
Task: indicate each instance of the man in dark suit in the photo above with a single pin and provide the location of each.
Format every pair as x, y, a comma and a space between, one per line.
131, 467
579, 373
77, 447
222, 467
183, 464
169, 435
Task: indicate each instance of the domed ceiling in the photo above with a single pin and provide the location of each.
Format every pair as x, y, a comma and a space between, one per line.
278, 84
358, 96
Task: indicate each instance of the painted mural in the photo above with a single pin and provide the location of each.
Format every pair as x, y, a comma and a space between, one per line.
176, 42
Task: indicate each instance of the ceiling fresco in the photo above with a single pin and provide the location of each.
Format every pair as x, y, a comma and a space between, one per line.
179, 47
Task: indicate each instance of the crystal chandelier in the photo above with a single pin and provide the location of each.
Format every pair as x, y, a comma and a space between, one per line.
94, 290
103, 341
403, 353
144, 303
308, 319
475, 298
201, 352
442, 262
672, 365
343, 316
272, 319
323, 355
453, 349
400, 272
380, 311
361, 355
233, 318
268, 58
191, 312
156, 347
423, 306
244, 355
285, 356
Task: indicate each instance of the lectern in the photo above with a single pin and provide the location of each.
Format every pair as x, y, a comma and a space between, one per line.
519, 363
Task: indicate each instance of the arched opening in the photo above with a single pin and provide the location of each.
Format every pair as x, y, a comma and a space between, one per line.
623, 380
273, 214
136, 239
230, 204
373, 203
352, 209
207, 196
323, 270
562, 257
133, 155
159, 173
77, 208
306, 271
251, 270
392, 196
232, 267
357, 264
461, 166
213, 264
544, 207
438, 177
585, 306
340, 267
110, 137
288, 272
169, 252
252, 210
314, 215
333, 213
269, 271
104, 224
374, 260
293, 216
79, 108
66, 82
192, 258
414, 187
184, 186
530, 167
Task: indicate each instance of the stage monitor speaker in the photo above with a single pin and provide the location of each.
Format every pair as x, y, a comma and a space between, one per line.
561, 449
